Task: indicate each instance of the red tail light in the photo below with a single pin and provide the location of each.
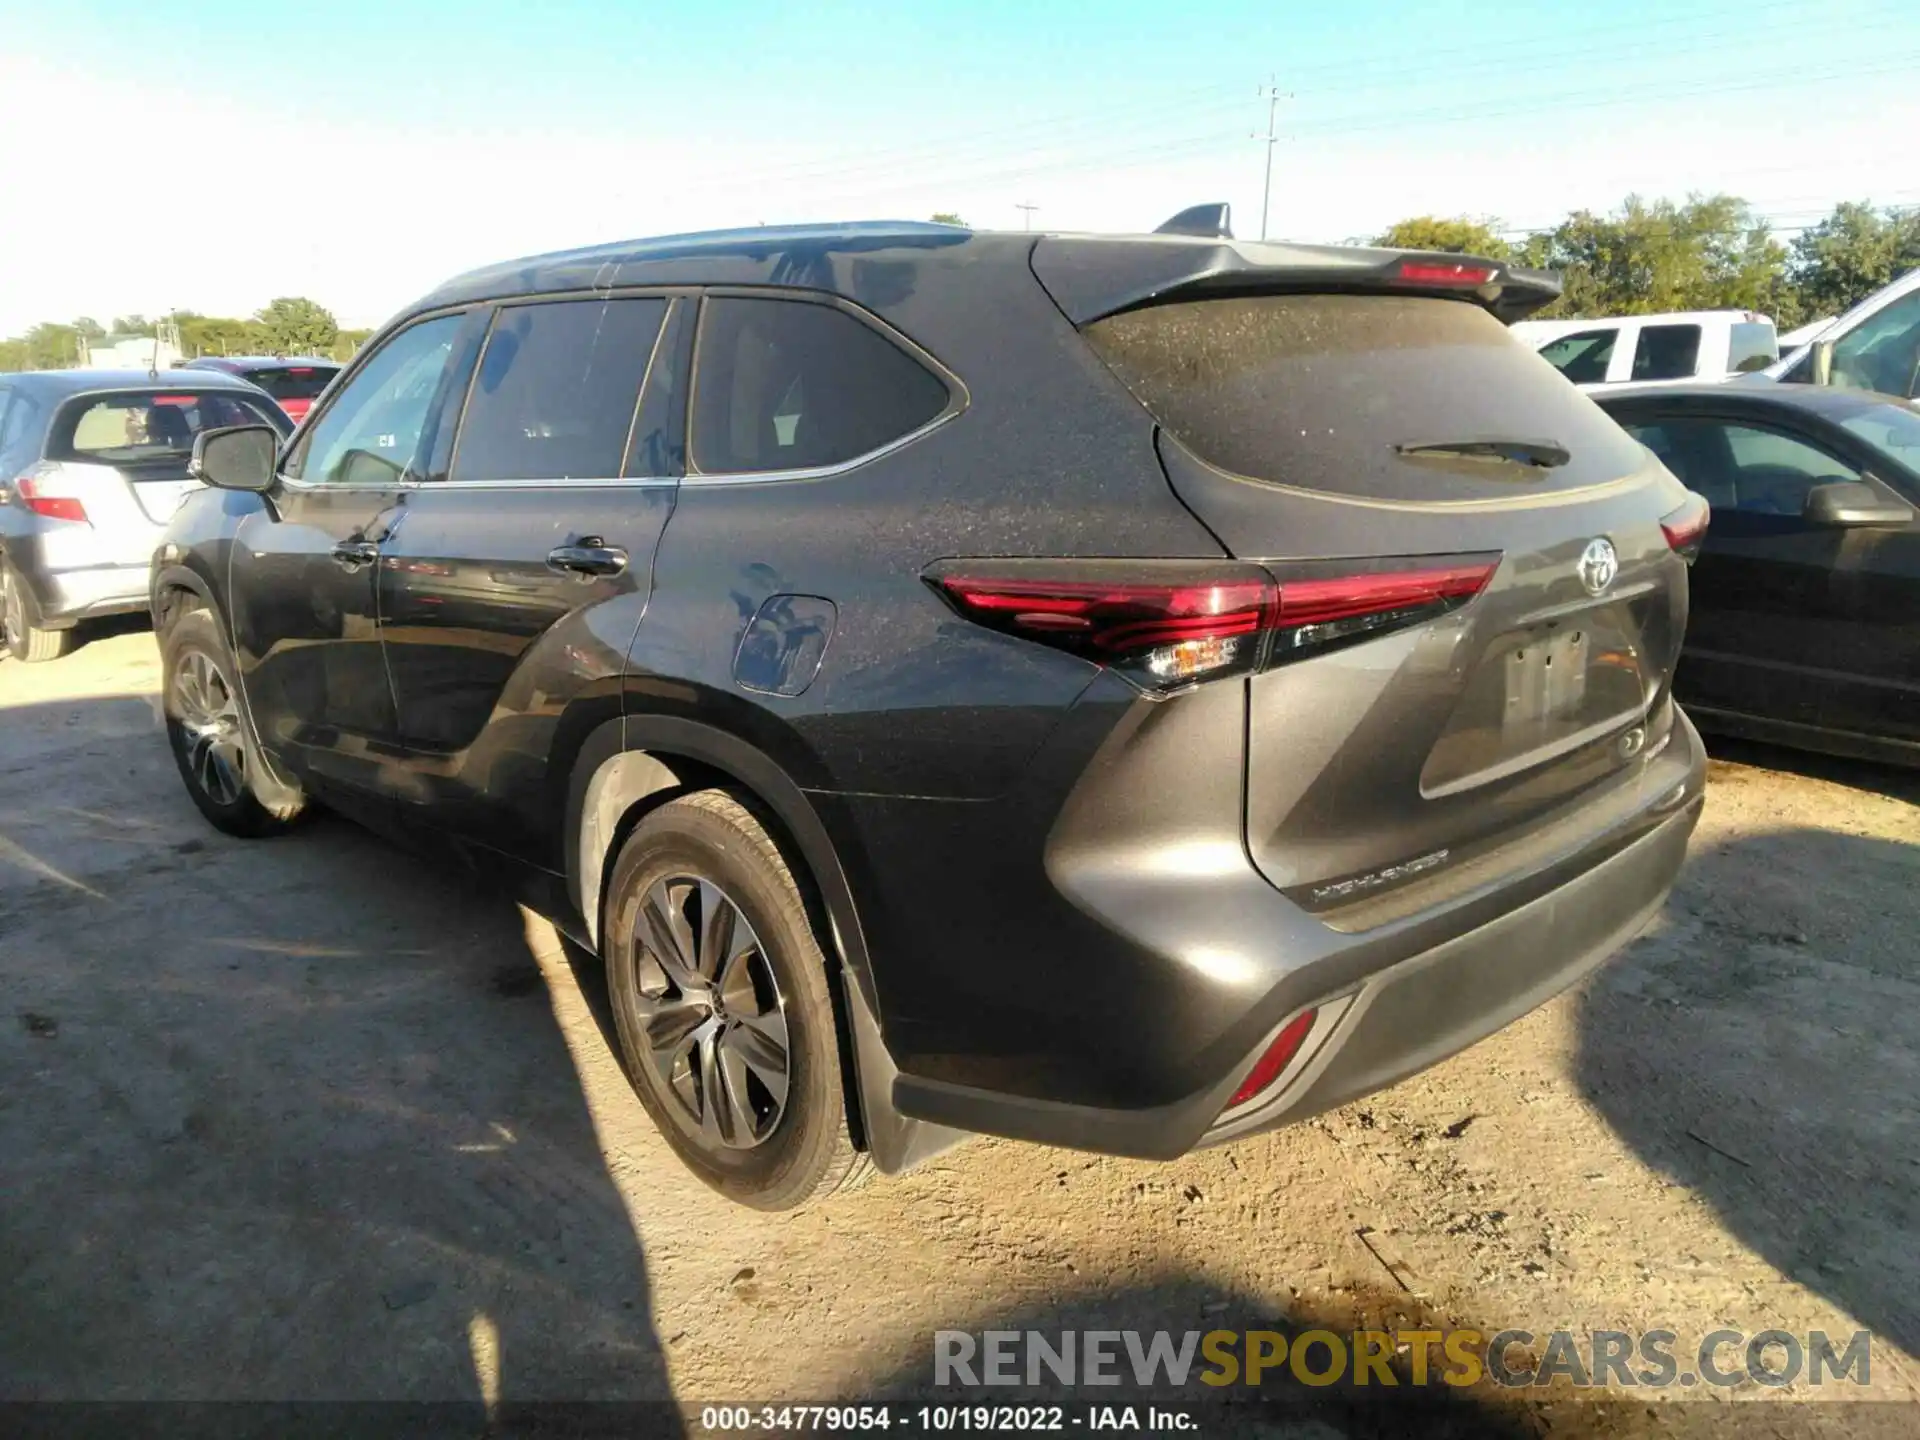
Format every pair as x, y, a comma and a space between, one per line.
1168, 623
1267, 1068
1686, 528
54, 507
1439, 272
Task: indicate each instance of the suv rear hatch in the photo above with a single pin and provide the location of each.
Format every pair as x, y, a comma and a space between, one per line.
1480, 605
119, 461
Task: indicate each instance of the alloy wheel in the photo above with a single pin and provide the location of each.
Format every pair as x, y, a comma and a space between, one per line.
208, 712
713, 1021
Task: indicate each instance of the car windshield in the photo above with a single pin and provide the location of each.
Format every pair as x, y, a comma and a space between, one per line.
147, 424
1892, 429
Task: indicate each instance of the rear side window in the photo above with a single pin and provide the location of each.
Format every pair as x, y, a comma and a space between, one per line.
791, 385
1751, 345
1318, 391
554, 395
293, 382
1666, 352
130, 426
1582, 358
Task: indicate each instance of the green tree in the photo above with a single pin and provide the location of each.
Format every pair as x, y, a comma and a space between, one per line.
219, 335
90, 328
132, 325
1707, 253
51, 347
1852, 253
1456, 235
294, 325
947, 217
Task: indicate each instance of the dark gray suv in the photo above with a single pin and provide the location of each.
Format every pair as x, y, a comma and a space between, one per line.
1124, 693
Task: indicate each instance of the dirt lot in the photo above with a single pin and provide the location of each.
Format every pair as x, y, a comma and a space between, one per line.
311, 1119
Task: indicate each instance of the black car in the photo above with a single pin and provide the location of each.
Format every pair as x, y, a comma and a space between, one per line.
1118, 692
1806, 596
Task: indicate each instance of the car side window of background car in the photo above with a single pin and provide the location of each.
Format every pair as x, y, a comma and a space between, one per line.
1773, 472
1882, 352
554, 395
1659, 439
1666, 352
791, 385
1583, 358
370, 434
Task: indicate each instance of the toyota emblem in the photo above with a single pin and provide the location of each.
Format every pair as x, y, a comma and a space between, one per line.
1598, 566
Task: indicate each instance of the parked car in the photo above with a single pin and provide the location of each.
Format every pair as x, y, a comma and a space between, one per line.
92, 464
1124, 693
1874, 346
1807, 593
1686, 345
293, 382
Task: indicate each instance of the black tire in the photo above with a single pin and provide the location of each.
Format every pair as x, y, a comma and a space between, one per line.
216, 761
26, 639
766, 1150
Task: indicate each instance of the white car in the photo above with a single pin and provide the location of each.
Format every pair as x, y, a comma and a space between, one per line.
1874, 346
1684, 345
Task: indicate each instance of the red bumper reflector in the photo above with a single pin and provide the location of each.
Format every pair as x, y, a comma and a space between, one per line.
1686, 528
1279, 1054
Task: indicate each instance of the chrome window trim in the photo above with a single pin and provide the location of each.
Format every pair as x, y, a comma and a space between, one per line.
958, 396
582, 482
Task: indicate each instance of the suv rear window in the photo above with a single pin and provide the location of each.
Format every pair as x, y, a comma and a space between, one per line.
792, 385
1316, 391
130, 426
293, 382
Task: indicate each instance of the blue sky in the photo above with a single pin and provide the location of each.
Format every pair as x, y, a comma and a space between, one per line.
362, 152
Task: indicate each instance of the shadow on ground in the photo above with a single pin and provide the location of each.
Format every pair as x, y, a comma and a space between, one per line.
1776, 1079
283, 1120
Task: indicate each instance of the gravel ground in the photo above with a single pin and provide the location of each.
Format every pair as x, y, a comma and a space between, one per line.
311, 1119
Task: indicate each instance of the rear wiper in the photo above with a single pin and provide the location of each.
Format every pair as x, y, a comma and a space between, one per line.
1540, 454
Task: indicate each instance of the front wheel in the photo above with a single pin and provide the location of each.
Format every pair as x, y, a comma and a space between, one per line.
720, 997
208, 732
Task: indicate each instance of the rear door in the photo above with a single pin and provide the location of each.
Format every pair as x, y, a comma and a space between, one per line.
514, 588
1765, 624
1355, 443
301, 586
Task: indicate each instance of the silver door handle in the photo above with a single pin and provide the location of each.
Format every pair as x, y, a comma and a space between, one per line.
589, 560
354, 553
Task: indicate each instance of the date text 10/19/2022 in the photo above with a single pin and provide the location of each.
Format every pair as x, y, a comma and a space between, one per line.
937, 1419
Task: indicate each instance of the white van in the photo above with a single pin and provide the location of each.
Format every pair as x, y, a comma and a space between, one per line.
1874, 346
1685, 345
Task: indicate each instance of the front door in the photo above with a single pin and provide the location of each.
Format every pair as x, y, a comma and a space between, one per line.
510, 598
301, 588
1762, 622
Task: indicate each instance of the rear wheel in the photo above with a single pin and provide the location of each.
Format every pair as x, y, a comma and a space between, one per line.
207, 729
25, 639
720, 996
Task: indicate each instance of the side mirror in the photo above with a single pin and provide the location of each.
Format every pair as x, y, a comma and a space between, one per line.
239, 457
1853, 502
1823, 362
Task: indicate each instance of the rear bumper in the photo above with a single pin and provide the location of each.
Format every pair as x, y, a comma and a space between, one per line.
65, 594
1394, 1000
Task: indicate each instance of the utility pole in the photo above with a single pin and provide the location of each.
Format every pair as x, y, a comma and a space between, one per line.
1273, 98
1026, 217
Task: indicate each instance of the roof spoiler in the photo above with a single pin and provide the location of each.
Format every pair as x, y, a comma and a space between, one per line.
1210, 222
1091, 276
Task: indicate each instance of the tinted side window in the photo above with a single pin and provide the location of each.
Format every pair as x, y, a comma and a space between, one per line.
1773, 472
1582, 358
554, 395
370, 434
1882, 352
1751, 345
1666, 352
789, 385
